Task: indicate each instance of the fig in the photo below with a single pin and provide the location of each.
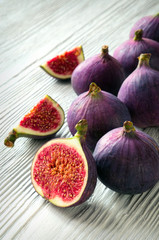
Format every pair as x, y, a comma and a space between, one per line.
140, 93
149, 25
127, 160
43, 120
102, 110
102, 69
128, 52
64, 171
62, 66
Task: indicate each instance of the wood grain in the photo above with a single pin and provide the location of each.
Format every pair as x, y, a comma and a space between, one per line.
31, 33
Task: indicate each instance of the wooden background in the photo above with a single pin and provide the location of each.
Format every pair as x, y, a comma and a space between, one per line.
32, 32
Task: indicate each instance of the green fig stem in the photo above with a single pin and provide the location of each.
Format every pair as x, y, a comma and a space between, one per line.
9, 141
104, 51
138, 35
128, 128
156, 15
144, 59
81, 128
94, 89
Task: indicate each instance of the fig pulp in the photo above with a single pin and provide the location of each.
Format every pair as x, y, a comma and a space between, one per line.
62, 66
64, 170
127, 160
102, 110
44, 120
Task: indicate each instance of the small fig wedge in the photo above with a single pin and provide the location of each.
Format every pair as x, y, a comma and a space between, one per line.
64, 171
62, 66
44, 120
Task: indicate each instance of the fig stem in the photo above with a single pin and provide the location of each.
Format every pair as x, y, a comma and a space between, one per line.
157, 15
128, 127
81, 128
104, 51
138, 35
9, 141
144, 59
94, 89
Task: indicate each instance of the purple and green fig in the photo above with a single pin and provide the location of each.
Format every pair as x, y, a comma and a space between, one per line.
140, 93
44, 120
128, 52
102, 69
102, 110
127, 160
149, 25
64, 171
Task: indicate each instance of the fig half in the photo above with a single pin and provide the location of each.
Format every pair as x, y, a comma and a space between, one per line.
44, 120
64, 171
62, 66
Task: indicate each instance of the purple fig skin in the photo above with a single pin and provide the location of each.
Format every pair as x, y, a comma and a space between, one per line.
102, 110
127, 162
140, 93
128, 52
102, 69
92, 175
149, 25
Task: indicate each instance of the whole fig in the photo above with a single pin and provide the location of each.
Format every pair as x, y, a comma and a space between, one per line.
128, 52
149, 25
127, 160
140, 93
102, 69
102, 110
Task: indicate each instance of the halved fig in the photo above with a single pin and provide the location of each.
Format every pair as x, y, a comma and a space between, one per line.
64, 171
63, 65
44, 120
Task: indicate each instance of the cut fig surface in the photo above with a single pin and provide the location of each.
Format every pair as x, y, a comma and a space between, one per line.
63, 65
43, 120
64, 171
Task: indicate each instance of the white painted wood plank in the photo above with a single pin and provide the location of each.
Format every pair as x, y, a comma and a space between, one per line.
32, 32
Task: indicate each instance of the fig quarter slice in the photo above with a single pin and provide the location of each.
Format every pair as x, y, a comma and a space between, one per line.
64, 171
62, 66
44, 120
